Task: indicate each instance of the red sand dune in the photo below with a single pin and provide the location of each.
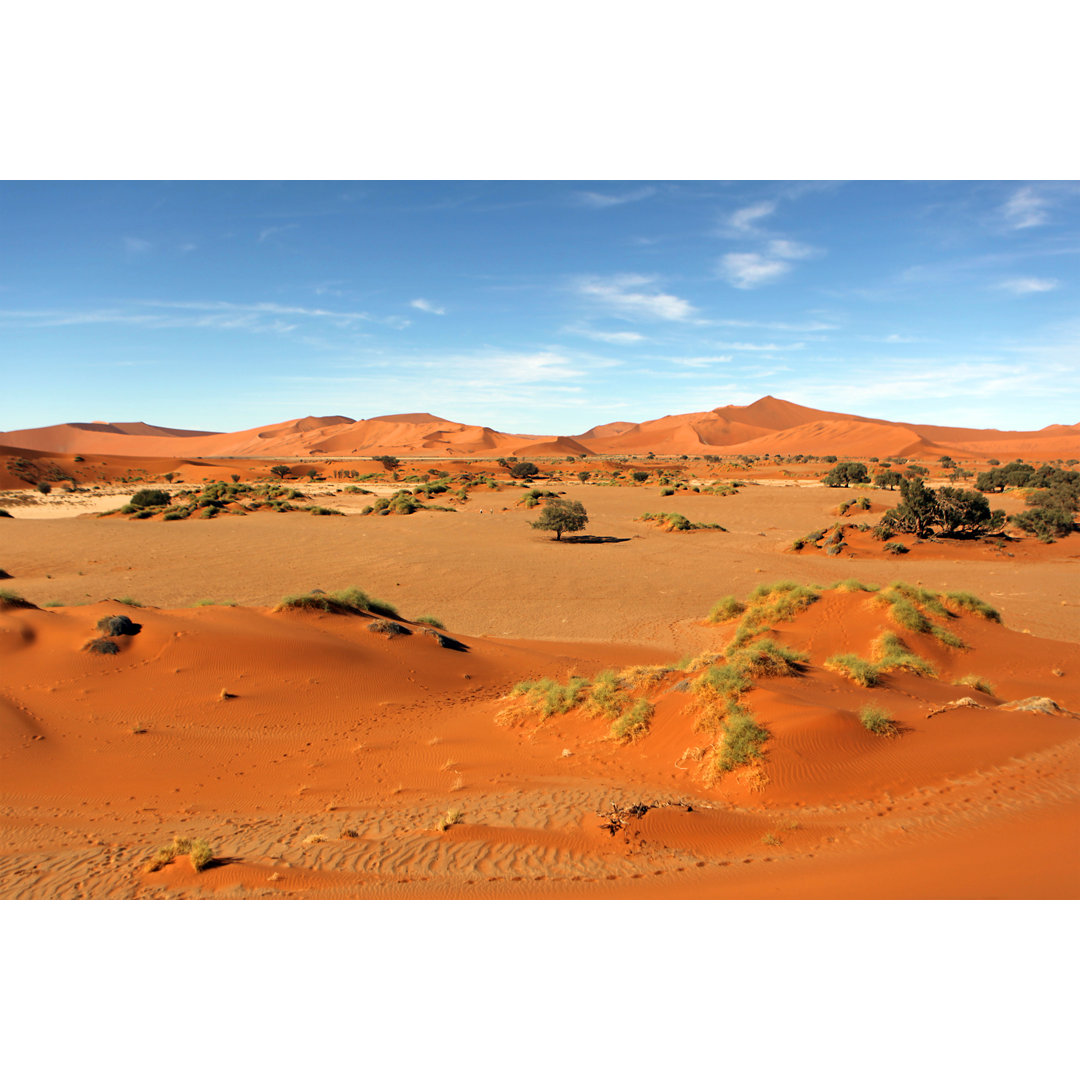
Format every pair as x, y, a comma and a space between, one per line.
769, 425
320, 759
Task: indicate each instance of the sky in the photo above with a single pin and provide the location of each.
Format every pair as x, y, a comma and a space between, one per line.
537, 307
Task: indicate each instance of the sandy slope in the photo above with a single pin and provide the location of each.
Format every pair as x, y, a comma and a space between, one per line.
329, 770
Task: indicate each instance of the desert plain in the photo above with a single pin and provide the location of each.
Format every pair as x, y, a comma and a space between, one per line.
333, 690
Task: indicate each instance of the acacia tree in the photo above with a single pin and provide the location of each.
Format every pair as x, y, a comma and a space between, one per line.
847, 472
280, 471
561, 515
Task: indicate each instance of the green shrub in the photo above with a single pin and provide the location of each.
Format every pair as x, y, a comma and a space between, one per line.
877, 721
150, 497
891, 654
976, 682
947, 637
430, 620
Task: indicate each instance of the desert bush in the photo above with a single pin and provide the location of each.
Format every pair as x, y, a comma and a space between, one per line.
44, 487
389, 628
877, 721
896, 548
117, 626
150, 497
430, 620
522, 470
103, 646
845, 473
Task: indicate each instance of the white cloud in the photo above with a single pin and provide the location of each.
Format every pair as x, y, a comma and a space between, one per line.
1023, 286
748, 270
621, 294
426, 305
797, 328
135, 245
791, 249
746, 219
1025, 209
611, 337
699, 361
602, 201
746, 346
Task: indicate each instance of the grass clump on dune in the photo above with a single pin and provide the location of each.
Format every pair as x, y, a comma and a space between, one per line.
770, 604
634, 723
947, 637
549, 697
891, 654
766, 658
725, 609
975, 682
740, 743
853, 667
877, 721
679, 523
430, 620
198, 851
351, 601
850, 585
969, 602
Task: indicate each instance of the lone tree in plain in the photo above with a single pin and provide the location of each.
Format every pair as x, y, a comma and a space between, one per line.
562, 515
280, 471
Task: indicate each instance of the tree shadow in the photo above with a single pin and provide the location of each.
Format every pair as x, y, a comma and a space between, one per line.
595, 540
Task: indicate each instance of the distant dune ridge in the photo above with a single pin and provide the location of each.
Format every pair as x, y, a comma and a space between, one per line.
768, 426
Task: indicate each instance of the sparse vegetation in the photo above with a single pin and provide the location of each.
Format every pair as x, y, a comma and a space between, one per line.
859, 671
562, 515
351, 601
975, 682
198, 851
877, 721
678, 523
725, 609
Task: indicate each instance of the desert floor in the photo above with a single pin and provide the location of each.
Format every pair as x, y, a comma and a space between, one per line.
319, 760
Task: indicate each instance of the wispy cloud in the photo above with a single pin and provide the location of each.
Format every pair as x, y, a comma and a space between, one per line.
275, 230
623, 295
136, 245
602, 200
699, 361
748, 270
747, 346
197, 314
751, 269
426, 305
795, 328
1025, 285
746, 219
1025, 209
610, 337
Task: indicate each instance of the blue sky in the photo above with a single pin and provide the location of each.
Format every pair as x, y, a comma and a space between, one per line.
541, 307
